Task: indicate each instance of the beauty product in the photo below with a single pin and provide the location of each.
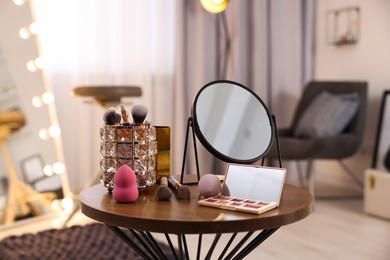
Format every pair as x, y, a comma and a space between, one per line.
163, 161
163, 192
238, 204
111, 117
133, 144
125, 185
182, 191
125, 117
139, 113
248, 188
209, 185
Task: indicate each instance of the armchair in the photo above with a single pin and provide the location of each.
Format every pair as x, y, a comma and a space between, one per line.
328, 124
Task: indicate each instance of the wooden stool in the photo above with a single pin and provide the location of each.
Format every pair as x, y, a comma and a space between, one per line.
107, 96
19, 194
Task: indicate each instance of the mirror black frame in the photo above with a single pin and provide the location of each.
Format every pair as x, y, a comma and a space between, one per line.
209, 147
195, 131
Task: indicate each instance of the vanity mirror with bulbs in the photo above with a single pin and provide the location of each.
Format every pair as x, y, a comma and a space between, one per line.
32, 172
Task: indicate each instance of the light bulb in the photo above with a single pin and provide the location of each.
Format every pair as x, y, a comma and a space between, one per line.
44, 134
36, 101
67, 203
24, 33
58, 167
31, 66
39, 62
214, 6
56, 205
19, 2
47, 170
34, 28
54, 131
47, 97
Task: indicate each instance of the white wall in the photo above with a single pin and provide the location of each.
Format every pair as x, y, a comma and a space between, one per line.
368, 60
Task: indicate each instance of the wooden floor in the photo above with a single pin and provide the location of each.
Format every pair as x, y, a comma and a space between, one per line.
337, 229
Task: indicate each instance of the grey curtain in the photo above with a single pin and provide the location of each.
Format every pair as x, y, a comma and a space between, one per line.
270, 52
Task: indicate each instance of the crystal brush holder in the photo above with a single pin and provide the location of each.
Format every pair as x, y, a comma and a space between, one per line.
134, 145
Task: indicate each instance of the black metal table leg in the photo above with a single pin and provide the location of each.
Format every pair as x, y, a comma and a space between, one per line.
227, 246
255, 243
150, 249
171, 246
128, 241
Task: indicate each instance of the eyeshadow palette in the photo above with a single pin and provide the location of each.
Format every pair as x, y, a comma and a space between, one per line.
238, 204
249, 188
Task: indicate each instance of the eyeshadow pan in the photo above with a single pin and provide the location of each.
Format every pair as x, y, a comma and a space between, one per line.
222, 202
252, 206
238, 204
221, 197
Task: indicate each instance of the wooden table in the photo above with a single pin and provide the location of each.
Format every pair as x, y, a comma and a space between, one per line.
181, 217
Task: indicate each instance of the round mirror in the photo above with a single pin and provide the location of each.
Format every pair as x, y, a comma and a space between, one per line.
232, 122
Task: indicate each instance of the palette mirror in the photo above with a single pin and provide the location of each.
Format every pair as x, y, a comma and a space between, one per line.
249, 188
232, 122
261, 183
32, 174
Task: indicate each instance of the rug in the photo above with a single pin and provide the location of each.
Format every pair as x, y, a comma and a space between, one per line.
94, 241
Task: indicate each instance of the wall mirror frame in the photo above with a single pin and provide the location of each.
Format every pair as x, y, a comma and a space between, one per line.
29, 151
232, 123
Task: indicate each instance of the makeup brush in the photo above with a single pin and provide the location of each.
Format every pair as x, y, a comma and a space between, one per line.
139, 113
163, 192
111, 117
182, 191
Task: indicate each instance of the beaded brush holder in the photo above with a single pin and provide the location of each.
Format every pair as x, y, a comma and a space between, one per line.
132, 144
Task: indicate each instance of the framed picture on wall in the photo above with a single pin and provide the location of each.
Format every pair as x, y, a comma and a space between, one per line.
381, 159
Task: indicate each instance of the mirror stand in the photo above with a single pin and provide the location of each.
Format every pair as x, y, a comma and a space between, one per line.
276, 140
190, 124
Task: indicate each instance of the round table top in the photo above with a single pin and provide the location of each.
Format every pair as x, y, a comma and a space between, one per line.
186, 216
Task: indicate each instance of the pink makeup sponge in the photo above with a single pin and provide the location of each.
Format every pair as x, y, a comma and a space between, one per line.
209, 185
125, 181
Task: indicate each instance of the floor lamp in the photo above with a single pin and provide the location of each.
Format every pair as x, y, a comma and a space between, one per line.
218, 7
